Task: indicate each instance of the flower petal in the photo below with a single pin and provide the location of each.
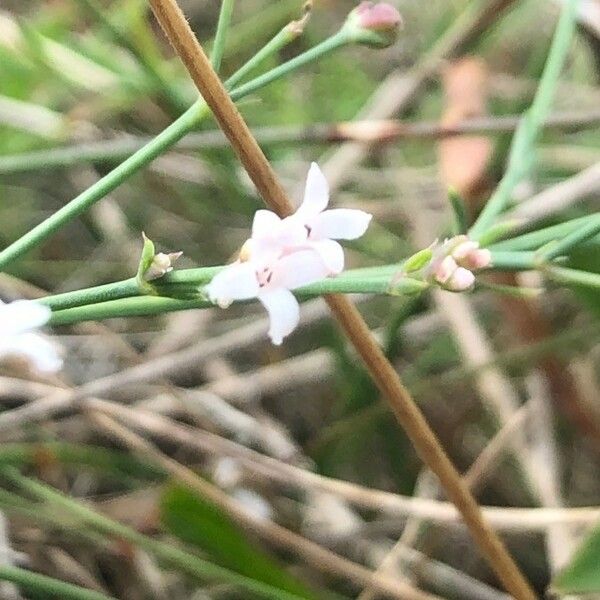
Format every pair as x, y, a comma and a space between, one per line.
316, 193
264, 224
43, 353
332, 255
461, 280
237, 281
284, 312
22, 315
339, 224
298, 269
444, 269
272, 236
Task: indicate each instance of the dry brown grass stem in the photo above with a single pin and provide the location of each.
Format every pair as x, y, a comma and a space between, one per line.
315, 555
409, 416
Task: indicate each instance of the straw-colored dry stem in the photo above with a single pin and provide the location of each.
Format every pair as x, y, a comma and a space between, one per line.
191, 53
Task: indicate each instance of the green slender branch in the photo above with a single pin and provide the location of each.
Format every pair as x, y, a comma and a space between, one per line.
92, 295
172, 134
174, 556
48, 587
128, 288
286, 35
107, 184
583, 233
541, 237
459, 212
338, 40
514, 261
572, 276
521, 152
218, 49
140, 306
177, 101
154, 305
181, 289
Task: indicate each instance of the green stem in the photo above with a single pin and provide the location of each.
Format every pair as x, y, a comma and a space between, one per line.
375, 280
585, 232
139, 306
48, 587
184, 124
99, 293
279, 41
459, 212
186, 562
96, 458
573, 276
514, 261
521, 153
154, 305
176, 100
155, 148
114, 150
541, 237
334, 42
218, 49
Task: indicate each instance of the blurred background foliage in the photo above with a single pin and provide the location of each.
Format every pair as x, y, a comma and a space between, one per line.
73, 72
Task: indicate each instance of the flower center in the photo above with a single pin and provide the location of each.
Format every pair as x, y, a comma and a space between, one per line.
246, 251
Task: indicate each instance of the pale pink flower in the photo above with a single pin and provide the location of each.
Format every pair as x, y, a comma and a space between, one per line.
322, 226
284, 254
18, 322
271, 283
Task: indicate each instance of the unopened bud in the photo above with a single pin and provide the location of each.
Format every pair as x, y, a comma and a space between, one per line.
374, 24
444, 269
452, 277
461, 280
469, 255
161, 265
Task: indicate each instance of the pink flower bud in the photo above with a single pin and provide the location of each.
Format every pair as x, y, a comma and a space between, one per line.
374, 24
479, 259
380, 16
452, 277
461, 280
463, 248
161, 265
444, 270
469, 255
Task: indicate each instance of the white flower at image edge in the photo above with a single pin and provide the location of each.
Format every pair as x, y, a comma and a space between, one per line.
18, 322
285, 254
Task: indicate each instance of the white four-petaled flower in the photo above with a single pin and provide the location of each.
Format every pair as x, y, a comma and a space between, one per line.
284, 254
18, 322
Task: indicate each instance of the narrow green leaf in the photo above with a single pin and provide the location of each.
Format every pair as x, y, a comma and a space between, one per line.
582, 574
584, 275
202, 524
460, 222
48, 586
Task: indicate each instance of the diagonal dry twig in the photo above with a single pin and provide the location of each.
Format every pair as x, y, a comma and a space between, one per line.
316, 555
233, 125
504, 519
394, 505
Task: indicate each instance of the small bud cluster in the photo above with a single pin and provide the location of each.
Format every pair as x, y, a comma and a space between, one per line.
161, 265
454, 262
374, 24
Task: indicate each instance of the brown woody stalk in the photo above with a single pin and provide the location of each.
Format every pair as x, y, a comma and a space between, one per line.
407, 413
